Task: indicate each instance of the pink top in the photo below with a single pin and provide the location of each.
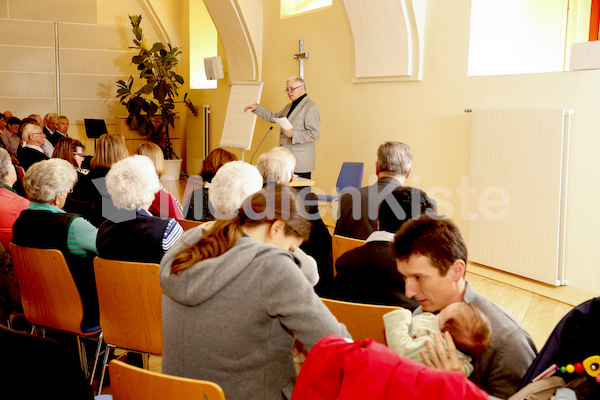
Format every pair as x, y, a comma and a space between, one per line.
11, 205
165, 206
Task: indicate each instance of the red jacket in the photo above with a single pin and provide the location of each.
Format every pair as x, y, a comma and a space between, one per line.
336, 369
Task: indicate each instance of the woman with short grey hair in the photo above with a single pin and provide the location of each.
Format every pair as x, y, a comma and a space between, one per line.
45, 225
132, 184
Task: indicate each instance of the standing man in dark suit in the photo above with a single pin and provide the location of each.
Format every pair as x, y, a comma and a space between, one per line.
359, 207
304, 115
369, 274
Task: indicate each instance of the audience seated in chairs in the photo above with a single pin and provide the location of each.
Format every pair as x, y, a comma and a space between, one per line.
368, 274
89, 197
277, 166
45, 225
210, 165
242, 276
135, 234
165, 204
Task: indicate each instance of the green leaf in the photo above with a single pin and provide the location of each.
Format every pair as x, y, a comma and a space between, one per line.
137, 31
156, 47
178, 78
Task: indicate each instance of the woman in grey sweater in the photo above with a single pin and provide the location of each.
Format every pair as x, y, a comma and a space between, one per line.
234, 298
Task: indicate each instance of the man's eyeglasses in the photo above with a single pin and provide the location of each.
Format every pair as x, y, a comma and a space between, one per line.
79, 154
290, 90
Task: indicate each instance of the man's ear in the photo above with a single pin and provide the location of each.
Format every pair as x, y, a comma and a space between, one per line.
408, 174
376, 168
457, 270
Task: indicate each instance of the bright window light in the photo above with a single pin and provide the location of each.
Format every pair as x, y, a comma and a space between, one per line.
517, 36
203, 43
294, 7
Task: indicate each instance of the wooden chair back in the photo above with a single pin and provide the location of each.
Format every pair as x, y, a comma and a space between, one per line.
187, 224
340, 245
129, 295
48, 292
132, 383
21, 176
362, 320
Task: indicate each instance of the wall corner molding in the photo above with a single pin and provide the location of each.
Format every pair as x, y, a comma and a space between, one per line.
388, 39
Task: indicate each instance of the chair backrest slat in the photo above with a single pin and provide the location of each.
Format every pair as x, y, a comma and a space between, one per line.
362, 320
129, 295
131, 383
340, 245
48, 292
187, 224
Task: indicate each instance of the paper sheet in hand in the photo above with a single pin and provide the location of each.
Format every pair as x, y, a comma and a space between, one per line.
284, 123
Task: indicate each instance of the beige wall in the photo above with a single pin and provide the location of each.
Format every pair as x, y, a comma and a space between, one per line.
93, 39
428, 115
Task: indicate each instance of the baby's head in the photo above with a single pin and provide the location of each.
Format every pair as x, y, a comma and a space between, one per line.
469, 327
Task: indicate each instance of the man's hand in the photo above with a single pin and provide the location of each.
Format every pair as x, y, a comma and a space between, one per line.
288, 132
436, 357
250, 107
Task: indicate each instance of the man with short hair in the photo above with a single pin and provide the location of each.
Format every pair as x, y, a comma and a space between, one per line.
304, 115
432, 257
62, 126
48, 147
49, 124
32, 152
368, 274
359, 207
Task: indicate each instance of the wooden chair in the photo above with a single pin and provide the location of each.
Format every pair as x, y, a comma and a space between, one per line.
340, 245
129, 295
131, 383
187, 224
362, 320
20, 177
49, 295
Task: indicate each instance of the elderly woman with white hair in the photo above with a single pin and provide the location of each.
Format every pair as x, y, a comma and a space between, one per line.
233, 183
132, 184
45, 225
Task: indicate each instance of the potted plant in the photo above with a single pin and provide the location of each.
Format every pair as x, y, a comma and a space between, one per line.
151, 109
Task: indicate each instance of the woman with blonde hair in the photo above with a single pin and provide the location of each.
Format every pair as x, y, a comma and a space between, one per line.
89, 192
165, 204
234, 299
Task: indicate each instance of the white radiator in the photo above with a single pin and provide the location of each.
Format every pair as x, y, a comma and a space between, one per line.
523, 154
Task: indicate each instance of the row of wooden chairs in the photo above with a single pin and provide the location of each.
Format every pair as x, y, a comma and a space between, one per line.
129, 296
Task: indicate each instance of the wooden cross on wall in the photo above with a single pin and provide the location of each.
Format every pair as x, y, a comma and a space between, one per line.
300, 57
